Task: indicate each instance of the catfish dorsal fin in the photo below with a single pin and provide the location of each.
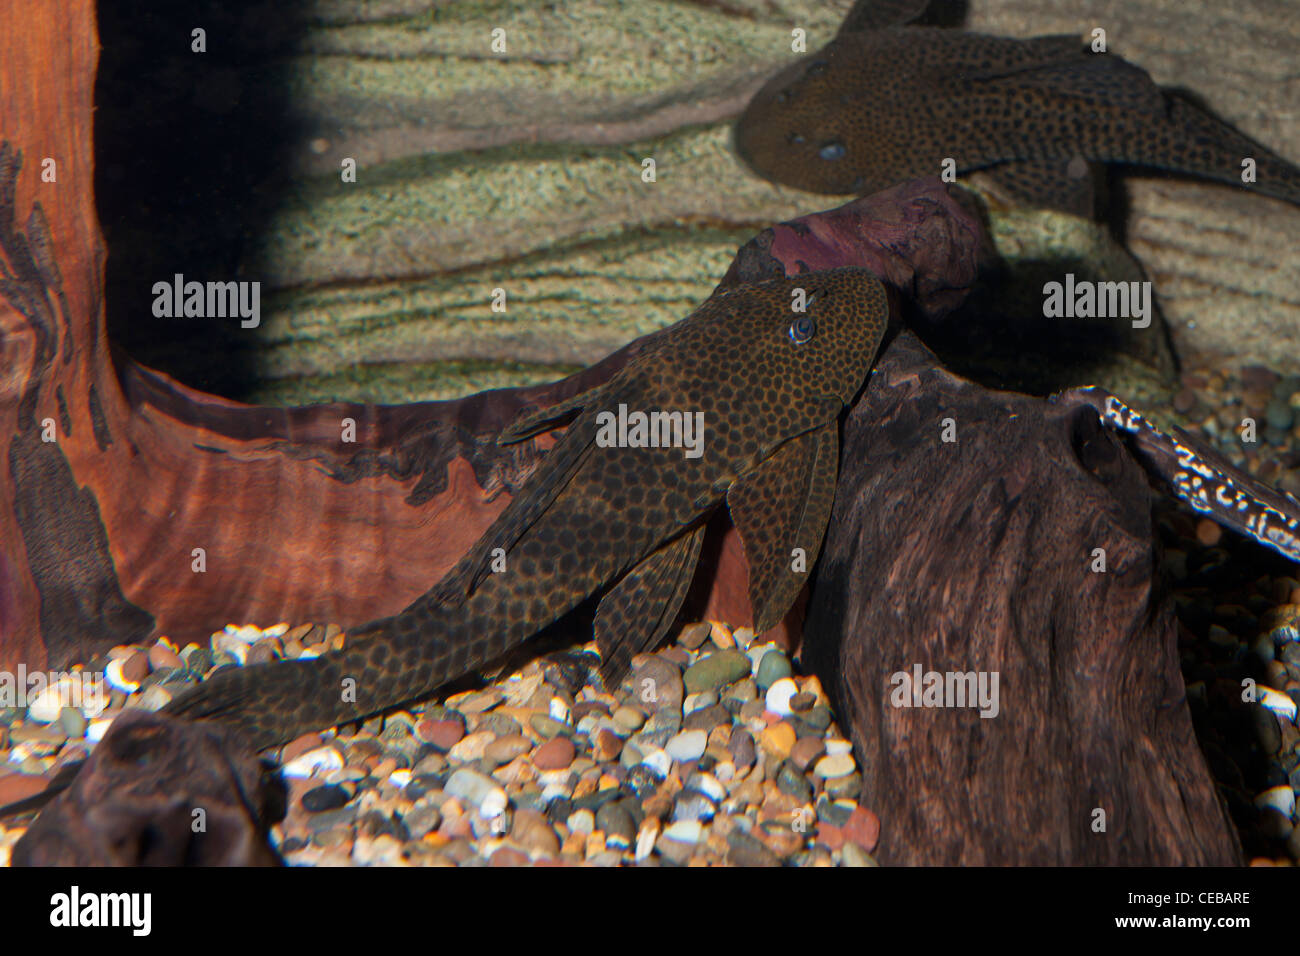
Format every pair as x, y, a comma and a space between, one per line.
879, 14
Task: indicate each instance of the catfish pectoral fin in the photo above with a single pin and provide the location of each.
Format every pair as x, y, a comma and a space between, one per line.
781, 509
637, 613
551, 417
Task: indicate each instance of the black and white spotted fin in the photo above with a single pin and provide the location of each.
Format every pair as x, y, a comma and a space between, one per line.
1202, 477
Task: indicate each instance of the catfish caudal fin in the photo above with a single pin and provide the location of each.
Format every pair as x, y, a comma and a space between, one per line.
273, 703
1211, 148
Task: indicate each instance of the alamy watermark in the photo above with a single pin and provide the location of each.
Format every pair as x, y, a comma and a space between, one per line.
208, 300
84, 690
1085, 299
626, 429
946, 689
130, 910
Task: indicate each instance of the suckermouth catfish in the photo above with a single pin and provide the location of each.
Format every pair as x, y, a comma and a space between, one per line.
769, 366
883, 103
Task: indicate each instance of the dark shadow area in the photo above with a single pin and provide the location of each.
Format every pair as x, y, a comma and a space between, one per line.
944, 13
189, 149
1001, 338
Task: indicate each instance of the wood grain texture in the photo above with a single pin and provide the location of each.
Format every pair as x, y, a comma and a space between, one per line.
994, 576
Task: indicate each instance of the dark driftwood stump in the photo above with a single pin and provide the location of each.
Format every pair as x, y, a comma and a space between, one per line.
977, 555
160, 792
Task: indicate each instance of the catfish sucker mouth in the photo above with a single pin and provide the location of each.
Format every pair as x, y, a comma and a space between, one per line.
747, 391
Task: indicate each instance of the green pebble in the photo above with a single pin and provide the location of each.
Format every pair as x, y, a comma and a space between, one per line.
774, 666
548, 726
73, 722
716, 670
818, 717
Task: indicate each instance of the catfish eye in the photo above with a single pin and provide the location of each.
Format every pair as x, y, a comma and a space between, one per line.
802, 329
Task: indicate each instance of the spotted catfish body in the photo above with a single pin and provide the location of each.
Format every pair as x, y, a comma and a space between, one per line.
766, 381
885, 103
1200, 476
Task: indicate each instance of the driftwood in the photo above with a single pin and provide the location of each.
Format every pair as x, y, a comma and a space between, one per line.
160, 792
978, 555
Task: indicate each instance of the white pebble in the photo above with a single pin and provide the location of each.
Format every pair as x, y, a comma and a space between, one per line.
559, 710
756, 653
479, 790
779, 694
684, 831
658, 761
314, 762
838, 745
113, 674
581, 821
399, 778
96, 729
555, 778
45, 706
1281, 799
233, 645
708, 785
248, 633
645, 839
555, 791
1278, 702
687, 746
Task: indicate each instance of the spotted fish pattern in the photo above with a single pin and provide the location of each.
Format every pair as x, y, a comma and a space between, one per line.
770, 366
1204, 479
886, 103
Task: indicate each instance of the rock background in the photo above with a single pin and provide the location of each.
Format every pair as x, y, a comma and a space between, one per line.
522, 171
